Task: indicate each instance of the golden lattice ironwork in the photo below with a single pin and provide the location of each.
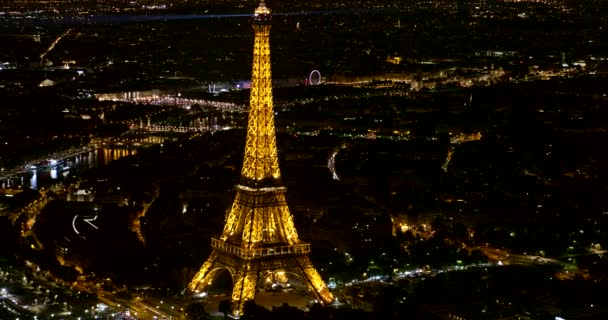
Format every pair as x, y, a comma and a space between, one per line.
261, 162
259, 240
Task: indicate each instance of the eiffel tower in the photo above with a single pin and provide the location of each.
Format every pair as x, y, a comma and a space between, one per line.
259, 242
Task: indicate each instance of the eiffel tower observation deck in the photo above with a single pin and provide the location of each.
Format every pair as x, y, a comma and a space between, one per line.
259, 241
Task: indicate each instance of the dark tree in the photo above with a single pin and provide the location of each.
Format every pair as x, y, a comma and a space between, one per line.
253, 311
287, 312
317, 311
477, 256
196, 311
224, 307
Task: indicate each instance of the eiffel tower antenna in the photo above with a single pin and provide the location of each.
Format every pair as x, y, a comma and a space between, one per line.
259, 241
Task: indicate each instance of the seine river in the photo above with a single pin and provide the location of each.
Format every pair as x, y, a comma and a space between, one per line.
52, 171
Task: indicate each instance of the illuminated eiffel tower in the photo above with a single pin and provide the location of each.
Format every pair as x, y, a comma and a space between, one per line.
259, 242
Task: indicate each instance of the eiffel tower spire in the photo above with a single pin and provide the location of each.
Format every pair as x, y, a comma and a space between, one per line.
261, 165
259, 240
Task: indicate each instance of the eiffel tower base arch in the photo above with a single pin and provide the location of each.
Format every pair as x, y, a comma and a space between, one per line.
247, 274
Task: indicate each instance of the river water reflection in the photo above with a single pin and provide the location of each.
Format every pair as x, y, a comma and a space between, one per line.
52, 171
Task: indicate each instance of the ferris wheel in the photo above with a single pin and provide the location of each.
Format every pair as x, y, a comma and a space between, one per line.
314, 78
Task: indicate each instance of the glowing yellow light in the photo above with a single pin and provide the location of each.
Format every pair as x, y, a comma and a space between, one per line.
259, 223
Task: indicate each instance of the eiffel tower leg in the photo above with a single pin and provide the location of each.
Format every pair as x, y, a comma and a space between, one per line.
245, 281
313, 277
205, 276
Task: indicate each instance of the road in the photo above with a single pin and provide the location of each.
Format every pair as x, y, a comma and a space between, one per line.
506, 257
136, 307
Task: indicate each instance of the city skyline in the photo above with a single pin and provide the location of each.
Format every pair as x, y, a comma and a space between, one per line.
444, 160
